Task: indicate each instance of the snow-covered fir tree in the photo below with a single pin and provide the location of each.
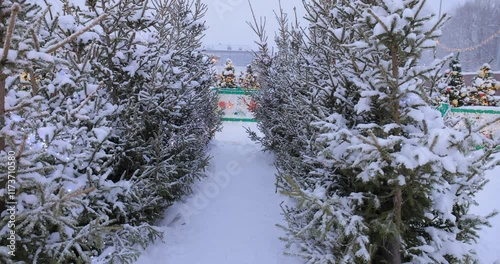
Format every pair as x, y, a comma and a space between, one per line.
284, 122
248, 80
453, 90
83, 99
144, 66
58, 124
176, 112
384, 178
483, 88
227, 78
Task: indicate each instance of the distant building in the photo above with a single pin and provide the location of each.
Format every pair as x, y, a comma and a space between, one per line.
240, 58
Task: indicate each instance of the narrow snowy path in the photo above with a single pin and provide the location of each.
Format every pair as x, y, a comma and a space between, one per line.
232, 216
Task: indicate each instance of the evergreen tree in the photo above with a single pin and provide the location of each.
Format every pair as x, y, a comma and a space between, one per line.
89, 90
378, 176
112, 198
176, 112
453, 90
483, 88
248, 79
159, 78
59, 122
227, 79
474, 30
283, 119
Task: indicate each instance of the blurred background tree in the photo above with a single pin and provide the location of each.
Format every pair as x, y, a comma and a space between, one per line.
474, 31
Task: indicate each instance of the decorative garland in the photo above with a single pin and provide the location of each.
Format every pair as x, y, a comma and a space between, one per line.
473, 48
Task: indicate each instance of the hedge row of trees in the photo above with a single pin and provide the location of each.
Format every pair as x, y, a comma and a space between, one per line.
376, 174
106, 109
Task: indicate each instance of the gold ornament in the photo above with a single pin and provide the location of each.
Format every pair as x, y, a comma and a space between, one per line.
25, 76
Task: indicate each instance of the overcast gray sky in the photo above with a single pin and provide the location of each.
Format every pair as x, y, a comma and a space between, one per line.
226, 19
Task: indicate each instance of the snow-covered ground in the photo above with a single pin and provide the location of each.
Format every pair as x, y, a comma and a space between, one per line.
488, 246
232, 216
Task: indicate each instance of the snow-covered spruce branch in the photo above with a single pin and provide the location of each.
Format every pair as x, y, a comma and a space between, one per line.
42, 169
33, 82
55, 47
31, 32
376, 144
259, 29
23, 104
22, 147
84, 102
84, 232
10, 30
35, 40
80, 192
497, 120
384, 26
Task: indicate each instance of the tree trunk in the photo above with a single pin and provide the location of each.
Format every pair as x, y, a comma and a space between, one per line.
3, 59
395, 241
395, 244
2, 109
2, 124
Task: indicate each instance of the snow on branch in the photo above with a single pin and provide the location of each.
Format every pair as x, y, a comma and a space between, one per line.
13, 15
92, 95
76, 34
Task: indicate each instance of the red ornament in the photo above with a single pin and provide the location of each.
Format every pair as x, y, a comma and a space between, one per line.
252, 106
222, 104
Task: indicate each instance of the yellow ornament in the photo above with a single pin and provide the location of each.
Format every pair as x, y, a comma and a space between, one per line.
454, 102
24, 76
